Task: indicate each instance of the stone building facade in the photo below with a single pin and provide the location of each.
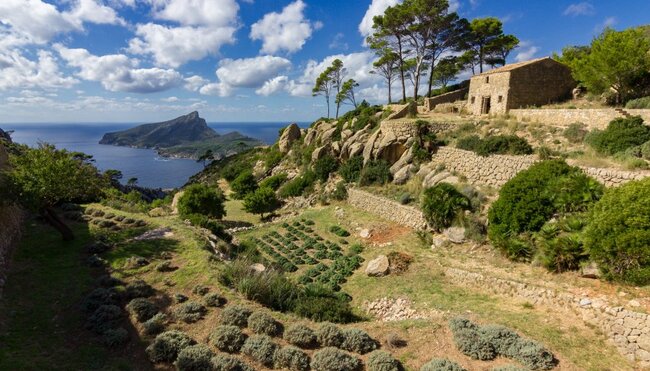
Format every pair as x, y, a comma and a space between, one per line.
532, 83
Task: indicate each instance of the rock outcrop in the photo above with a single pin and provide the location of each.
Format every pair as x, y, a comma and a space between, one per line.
290, 134
378, 267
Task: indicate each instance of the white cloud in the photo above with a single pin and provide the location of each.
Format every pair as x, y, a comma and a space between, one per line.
374, 94
194, 83
174, 46
583, 8
526, 51
212, 13
170, 99
286, 31
16, 71
377, 7
357, 65
454, 5
37, 22
273, 86
117, 72
338, 42
245, 73
607, 22
93, 12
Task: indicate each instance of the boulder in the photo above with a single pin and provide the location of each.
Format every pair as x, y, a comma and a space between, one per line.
378, 267
403, 175
310, 136
439, 241
257, 267
406, 158
365, 233
327, 136
336, 148
320, 152
290, 134
455, 234
370, 146
345, 134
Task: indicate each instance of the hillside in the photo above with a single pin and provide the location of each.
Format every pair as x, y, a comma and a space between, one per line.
184, 136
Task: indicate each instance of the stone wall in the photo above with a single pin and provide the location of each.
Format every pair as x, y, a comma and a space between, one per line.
628, 330
10, 228
496, 170
592, 118
451, 97
540, 83
387, 209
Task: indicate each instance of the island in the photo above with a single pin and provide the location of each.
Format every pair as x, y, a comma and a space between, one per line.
187, 136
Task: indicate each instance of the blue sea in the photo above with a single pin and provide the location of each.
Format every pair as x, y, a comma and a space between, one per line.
144, 164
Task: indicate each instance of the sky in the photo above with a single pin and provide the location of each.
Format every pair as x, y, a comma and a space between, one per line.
84, 61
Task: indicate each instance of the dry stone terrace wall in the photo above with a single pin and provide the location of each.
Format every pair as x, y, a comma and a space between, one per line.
451, 97
387, 209
496, 170
592, 118
628, 330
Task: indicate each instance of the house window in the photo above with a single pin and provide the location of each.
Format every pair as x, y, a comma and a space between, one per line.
500, 98
487, 79
473, 100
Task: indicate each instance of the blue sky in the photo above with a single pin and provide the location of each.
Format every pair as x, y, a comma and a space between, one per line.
232, 60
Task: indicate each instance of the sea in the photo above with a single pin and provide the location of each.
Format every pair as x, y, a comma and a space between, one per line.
150, 169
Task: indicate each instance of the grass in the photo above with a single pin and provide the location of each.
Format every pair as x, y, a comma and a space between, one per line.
41, 324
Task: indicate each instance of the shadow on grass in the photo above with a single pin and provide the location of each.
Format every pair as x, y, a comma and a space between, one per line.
42, 325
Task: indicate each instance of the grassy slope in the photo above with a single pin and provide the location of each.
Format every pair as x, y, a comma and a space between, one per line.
578, 346
42, 327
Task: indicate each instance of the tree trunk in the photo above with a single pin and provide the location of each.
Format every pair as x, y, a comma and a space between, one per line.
430, 79
389, 92
337, 110
50, 216
480, 58
327, 99
401, 69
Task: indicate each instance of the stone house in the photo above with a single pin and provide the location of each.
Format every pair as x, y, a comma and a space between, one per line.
531, 83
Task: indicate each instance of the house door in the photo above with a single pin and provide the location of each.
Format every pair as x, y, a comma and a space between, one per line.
485, 105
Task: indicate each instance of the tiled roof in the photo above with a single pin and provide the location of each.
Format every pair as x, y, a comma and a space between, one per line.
510, 67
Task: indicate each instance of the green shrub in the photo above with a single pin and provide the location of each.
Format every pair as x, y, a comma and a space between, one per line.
225, 362
380, 360
324, 166
114, 338
262, 323
260, 348
104, 318
495, 145
227, 338
201, 290
375, 172
99, 297
441, 365
298, 186
488, 342
142, 308
274, 182
442, 204
273, 158
202, 199
350, 170
639, 103
618, 233
575, 133
333, 359
190, 312
561, 253
195, 358
330, 335
166, 346
155, 324
337, 230
261, 201
214, 300
621, 134
291, 358
138, 289
509, 368
212, 225
300, 335
358, 341
244, 184
320, 303
235, 315
340, 193
469, 143
531, 198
